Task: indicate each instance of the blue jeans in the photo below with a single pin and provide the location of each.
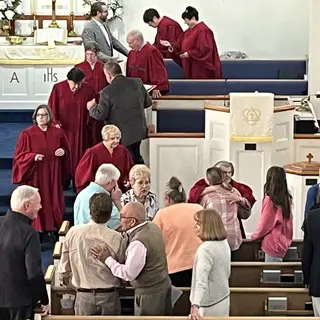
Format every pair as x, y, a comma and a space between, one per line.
268, 258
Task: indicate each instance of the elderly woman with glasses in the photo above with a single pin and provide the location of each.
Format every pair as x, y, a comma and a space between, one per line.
41, 160
140, 180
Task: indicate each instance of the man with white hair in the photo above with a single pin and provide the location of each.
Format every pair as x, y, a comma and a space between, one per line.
105, 181
22, 280
146, 62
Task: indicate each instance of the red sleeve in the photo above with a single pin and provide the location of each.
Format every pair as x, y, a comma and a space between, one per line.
54, 105
66, 162
245, 191
23, 160
85, 171
157, 71
196, 191
203, 47
176, 38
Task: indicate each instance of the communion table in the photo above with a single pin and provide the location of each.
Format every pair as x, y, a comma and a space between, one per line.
28, 72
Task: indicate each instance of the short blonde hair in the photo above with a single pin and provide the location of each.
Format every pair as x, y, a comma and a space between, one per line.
110, 129
139, 171
211, 225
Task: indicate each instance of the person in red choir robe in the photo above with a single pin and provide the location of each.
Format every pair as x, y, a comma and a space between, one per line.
228, 169
41, 160
146, 62
198, 49
167, 29
108, 151
68, 102
93, 70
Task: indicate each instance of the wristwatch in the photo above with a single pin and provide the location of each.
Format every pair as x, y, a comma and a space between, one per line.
195, 306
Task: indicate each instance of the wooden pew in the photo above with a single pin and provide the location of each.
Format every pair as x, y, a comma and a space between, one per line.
251, 251
65, 226
244, 301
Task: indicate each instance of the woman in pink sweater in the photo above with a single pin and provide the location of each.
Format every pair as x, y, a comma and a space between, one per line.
275, 226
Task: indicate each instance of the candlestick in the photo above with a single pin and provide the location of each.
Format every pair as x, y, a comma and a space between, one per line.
72, 32
53, 23
71, 7
34, 23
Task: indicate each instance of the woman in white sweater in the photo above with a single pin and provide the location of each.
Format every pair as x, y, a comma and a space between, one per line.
210, 292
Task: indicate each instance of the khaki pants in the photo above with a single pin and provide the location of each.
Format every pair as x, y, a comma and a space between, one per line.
221, 309
153, 304
99, 304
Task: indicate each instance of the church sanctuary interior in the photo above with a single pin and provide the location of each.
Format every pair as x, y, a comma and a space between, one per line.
270, 60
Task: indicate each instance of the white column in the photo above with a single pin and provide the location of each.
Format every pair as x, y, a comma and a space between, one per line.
314, 53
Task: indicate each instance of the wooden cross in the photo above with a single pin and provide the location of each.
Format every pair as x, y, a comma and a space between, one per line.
309, 157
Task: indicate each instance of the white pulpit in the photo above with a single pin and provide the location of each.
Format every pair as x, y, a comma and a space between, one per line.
253, 135
28, 72
300, 177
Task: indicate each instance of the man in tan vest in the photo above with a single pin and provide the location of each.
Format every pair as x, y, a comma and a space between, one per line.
146, 264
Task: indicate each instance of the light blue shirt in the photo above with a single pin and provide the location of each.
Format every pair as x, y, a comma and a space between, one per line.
81, 208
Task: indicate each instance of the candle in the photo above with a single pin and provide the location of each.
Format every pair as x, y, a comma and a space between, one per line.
71, 6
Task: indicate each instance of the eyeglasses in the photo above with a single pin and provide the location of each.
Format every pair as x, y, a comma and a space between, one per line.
122, 217
39, 115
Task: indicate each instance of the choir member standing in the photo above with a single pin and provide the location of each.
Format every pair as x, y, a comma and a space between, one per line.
126, 111
41, 160
167, 29
108, 151
68, 101
198, 50
146, 62
93, 70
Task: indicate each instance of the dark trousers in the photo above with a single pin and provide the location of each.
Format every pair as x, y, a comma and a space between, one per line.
20, 313
135, 152
182, 278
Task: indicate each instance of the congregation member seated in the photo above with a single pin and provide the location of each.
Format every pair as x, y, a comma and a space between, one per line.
167, 29
41, 160
146, 62
177, 225
198, 50
68, 102
95, 284
146, 264
140, 180
94, 74
105, 181
223, 198
313, 199
228, 169
210, 293
107, 151
275, 227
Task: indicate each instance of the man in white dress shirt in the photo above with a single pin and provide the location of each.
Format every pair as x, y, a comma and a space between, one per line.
98, 31
146, 264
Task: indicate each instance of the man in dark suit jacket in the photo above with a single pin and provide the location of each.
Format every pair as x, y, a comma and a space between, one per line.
122, 104
98, 31
311, 257
22, 283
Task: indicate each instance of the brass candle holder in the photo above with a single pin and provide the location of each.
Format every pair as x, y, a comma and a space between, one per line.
72, 32
53, 23
6, 27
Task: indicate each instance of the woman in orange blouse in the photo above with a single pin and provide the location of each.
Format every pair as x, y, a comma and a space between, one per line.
178, 228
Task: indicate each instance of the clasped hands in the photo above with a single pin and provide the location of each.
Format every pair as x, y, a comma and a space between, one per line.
58, 153
168, 45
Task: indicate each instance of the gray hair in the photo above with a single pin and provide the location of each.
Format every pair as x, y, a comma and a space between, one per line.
174, 191
92, 46
226, 164
110, 129
21, 195
136, 34
106, 173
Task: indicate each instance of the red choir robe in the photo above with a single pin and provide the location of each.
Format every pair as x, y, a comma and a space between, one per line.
46, 175
245, 191
97, 79
204, 61
148, 65
96, 156
70, 112
169, 30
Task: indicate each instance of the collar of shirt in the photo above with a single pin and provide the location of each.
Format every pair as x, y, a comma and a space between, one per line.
19, 216
97, 224
96, 187
98, 22
136, 227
